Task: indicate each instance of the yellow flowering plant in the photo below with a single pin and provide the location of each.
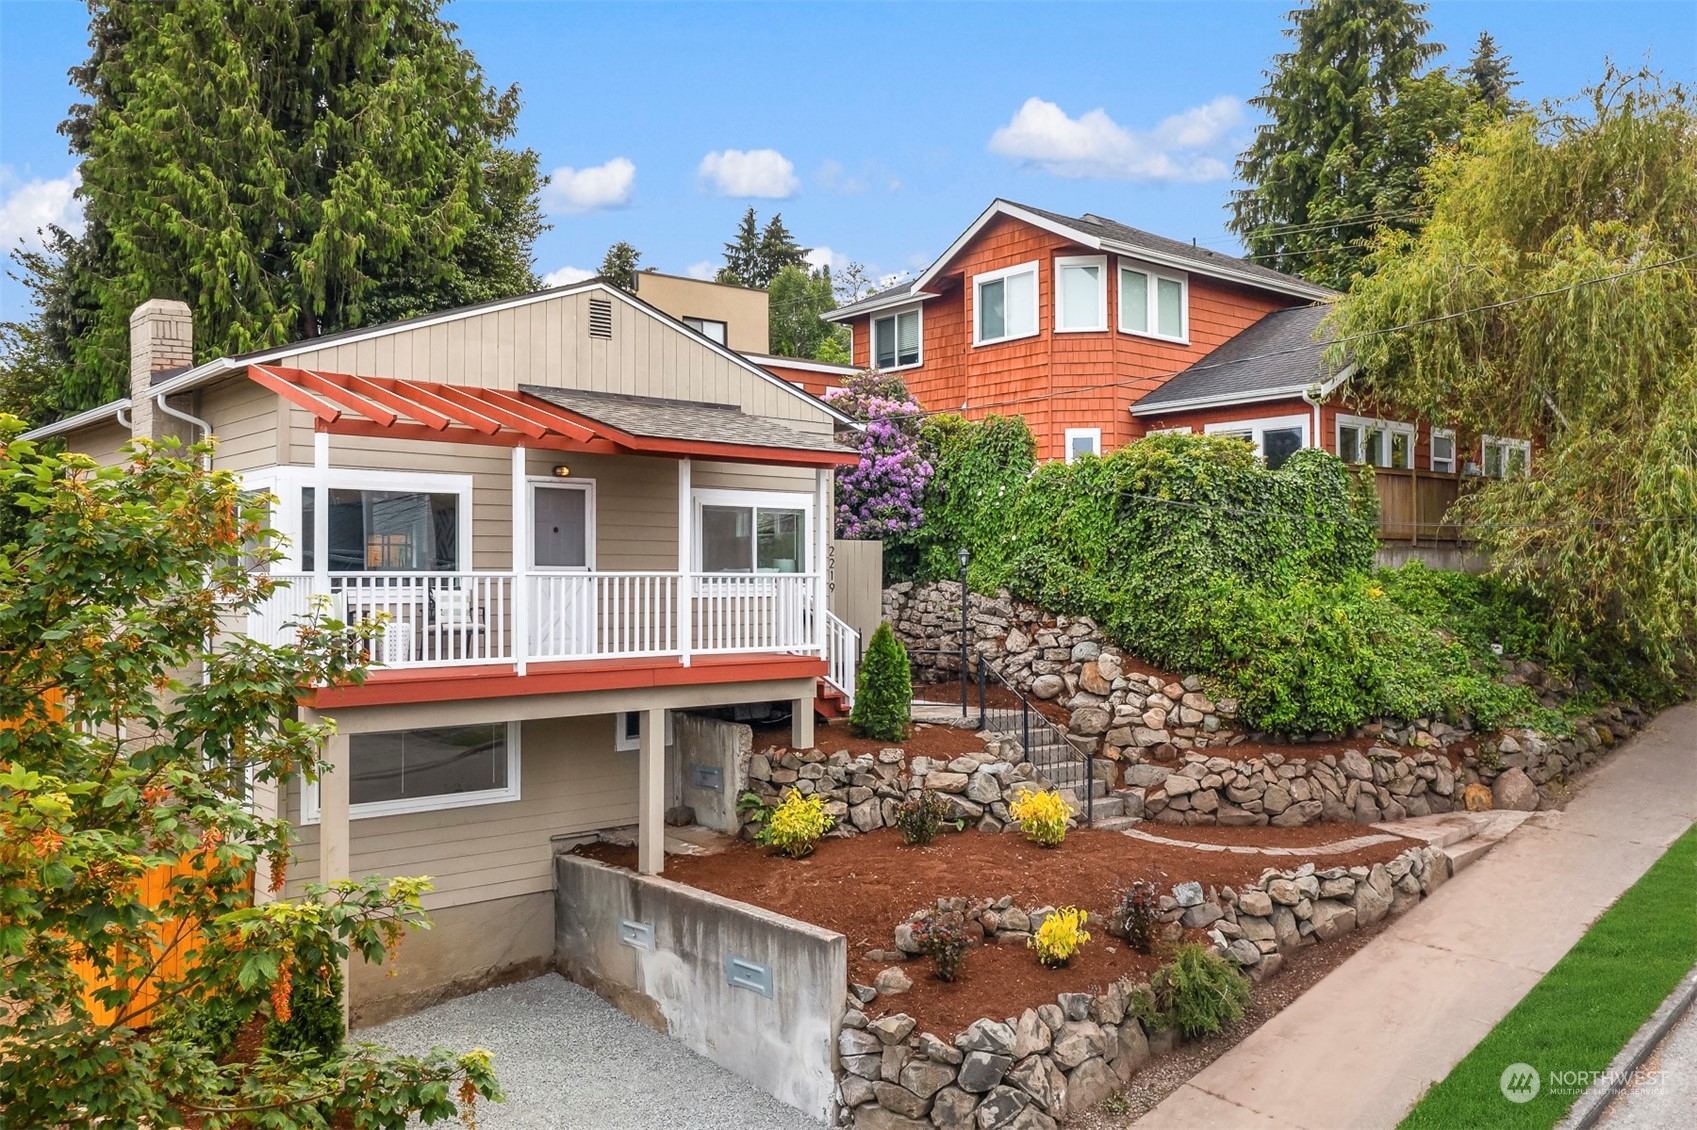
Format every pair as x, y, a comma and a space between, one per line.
794, 827
1042, 816
1061, 935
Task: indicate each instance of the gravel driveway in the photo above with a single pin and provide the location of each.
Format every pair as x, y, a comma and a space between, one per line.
567, 1058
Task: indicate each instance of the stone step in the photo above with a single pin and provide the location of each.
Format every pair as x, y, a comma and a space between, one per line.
1108, 807
1466, 853
1116, 823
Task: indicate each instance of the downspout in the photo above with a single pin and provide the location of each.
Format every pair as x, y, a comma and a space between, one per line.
1315, 394
1311, 396
194, 421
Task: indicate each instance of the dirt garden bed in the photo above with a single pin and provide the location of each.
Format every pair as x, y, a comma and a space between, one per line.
865, 886
938, 742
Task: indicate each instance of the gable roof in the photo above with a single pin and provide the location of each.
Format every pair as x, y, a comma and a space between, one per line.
173, 381
1278, 356
1098, 234
695, 421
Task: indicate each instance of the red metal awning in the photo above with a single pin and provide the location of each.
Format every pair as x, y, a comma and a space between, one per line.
345, 404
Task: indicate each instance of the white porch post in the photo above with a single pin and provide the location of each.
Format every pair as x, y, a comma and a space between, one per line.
823, 528
321, 514
651, 794
521, 563
686, 563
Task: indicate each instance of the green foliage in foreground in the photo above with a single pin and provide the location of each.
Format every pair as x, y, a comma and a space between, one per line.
114, 585
1198, 992
1585, 1009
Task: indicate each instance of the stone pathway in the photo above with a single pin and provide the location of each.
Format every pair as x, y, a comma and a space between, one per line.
1360, 1047
1355, 843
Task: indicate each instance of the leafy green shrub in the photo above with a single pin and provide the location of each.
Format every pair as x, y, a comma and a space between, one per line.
793, 828
314, 1023
945, 943
883, 697
920, 819
1198, 992
979, 467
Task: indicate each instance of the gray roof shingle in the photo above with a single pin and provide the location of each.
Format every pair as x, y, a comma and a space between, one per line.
1278, 352
653, 417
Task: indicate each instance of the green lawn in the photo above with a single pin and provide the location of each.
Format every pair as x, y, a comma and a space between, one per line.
1585, 1009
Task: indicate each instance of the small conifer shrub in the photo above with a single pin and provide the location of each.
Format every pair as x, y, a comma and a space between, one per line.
883, 699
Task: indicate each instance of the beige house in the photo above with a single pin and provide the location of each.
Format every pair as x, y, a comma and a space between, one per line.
575, 517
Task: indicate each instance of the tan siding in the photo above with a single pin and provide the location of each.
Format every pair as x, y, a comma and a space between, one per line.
547, 343
243, 416
103, 443
571, 780
745, 476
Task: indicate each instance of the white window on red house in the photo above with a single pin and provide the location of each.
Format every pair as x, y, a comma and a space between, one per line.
1153, 304
1005, 304
1081, 293
1501, 458
1275, 438
1443, 450
895, 340
1375, 442
1083, 441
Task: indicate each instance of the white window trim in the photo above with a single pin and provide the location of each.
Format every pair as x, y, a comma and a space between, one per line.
310, 812
1094, 435
548, 482
1101, 263
1432, 451
287, 482
872, 338
703, 323
760, 499
1036, 301
627, 745
1154, 273
1181, 430
1507, 444
1258, 427
1388, 426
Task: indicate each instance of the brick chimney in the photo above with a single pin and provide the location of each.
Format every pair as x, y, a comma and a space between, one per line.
161, 338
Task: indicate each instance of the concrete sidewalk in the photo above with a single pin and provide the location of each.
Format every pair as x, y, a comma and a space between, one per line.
1358, 1049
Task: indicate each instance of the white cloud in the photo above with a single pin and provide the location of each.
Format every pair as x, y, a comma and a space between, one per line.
758, 172
588, 190
825, 257
702, 270
1041, 135
28, 206
565, 276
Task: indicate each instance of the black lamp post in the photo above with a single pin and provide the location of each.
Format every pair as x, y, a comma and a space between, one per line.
965, 560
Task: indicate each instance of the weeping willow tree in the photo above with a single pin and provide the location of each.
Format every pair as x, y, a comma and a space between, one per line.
1553, 295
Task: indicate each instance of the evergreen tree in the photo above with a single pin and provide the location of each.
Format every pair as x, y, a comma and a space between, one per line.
778, 249
742, 254
883, 696
1332, 163
288, 170
756, 255
1490, 77
618, 266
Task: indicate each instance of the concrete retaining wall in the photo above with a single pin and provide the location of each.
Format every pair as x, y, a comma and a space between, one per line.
784, 1043
708, 768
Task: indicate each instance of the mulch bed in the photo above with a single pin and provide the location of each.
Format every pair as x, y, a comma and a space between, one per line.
864, 886
1305, 836
942, 743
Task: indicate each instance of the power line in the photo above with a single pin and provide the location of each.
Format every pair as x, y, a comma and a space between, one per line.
1205, 366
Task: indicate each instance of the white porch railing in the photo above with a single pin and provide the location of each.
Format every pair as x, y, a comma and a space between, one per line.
842, 654
453, 619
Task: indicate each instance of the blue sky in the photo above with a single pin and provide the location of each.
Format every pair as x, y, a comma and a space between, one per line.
879, 130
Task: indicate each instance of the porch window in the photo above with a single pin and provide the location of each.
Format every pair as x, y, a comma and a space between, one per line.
399, 771
384, 531
753, 539
1275, 439
1375, 442
895, 340
1504, 458
1443, 450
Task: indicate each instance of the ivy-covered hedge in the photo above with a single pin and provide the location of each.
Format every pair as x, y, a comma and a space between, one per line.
1196, 557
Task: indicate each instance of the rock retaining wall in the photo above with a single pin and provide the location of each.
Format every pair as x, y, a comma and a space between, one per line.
1056, 1061
862, 792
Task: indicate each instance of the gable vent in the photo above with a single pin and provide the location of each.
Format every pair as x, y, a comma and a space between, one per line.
601, 317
